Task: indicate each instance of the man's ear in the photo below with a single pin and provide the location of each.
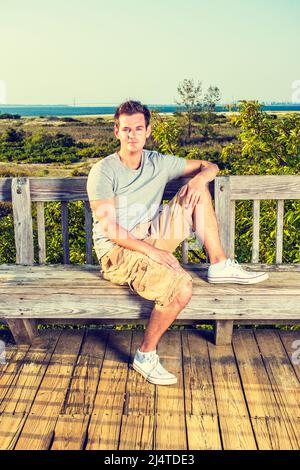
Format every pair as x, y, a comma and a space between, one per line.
116, 131
148, 131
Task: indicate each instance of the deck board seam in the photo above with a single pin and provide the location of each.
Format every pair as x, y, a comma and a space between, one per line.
125, 392
215, 395
244, 395
288, 355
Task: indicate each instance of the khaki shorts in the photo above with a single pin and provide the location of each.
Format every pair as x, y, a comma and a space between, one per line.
146, 277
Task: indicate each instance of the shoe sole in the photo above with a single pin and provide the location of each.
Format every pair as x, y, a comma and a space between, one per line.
154, 381
238, 280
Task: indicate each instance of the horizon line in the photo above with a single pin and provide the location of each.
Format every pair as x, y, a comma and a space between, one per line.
150, 104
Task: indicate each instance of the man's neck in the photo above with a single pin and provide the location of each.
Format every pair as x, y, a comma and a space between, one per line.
130, 159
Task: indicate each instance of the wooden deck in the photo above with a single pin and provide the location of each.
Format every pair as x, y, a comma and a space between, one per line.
79, 392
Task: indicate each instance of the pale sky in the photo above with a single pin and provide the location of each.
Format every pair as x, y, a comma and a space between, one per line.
103, 52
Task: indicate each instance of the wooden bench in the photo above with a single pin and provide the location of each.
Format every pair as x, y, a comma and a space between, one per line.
32, 291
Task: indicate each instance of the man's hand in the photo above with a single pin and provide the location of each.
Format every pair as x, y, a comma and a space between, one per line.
163, 257
193, 191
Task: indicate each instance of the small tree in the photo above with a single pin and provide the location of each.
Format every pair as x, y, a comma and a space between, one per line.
208, 116
211, 97
190, 97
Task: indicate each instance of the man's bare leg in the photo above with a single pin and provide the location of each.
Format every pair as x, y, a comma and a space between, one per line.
161, 318
206, 228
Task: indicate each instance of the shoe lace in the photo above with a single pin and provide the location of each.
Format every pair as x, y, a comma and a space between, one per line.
154, 360
235, 264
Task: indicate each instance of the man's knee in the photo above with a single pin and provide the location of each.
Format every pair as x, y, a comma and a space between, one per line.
206, 198
185, 293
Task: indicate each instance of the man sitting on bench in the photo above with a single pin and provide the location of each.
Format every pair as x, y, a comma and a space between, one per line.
134, 235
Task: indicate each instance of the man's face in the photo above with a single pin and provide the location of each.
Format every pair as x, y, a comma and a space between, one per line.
132, 132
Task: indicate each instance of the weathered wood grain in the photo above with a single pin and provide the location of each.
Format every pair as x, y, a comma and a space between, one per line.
279, 230
88, 233
39, 426
235, 424
65, 232
23, 330
284, 381
255, 239
41, 232
264, 187
239, 397
70, 432
271, 429
105, 423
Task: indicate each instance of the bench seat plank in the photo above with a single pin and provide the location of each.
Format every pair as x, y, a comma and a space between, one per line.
81, 292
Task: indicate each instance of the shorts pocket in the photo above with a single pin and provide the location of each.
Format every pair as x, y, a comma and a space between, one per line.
137, 283
112, 260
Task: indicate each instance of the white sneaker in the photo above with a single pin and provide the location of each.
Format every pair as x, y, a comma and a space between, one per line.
149, 366
232, 272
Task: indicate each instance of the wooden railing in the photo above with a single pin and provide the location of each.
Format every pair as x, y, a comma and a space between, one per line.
229, 189
23, 191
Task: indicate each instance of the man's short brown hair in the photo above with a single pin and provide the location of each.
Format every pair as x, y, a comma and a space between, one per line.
132, 107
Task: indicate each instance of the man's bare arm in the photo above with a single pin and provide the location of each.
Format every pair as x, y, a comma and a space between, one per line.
195, 168
105, 212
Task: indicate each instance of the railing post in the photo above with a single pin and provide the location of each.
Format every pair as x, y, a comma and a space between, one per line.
21, 203
225, 212
224, 208
23, 330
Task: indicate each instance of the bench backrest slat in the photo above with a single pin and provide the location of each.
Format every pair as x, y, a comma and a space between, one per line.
65, 232
225, 213
255, 238
279, 230
41, 231
251, 187
88, 219
67, 189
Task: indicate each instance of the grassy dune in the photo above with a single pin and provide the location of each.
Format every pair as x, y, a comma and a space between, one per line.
89, 131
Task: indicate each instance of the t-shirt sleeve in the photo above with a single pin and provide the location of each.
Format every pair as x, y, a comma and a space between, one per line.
100, 183
174, 165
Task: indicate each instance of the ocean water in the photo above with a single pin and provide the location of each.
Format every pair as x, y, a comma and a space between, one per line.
63, 110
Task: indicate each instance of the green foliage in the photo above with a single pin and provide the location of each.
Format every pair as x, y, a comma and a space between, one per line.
12, 135
7, 237
211, 97
190, 98
165, 132
48, 148
38, 148
194, 153
265, 147
9, 116
100, 150
190, 95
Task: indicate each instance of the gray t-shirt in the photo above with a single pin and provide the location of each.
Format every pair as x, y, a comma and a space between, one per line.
138, 193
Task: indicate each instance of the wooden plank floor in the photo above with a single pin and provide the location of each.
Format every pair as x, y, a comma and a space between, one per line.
75, 389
